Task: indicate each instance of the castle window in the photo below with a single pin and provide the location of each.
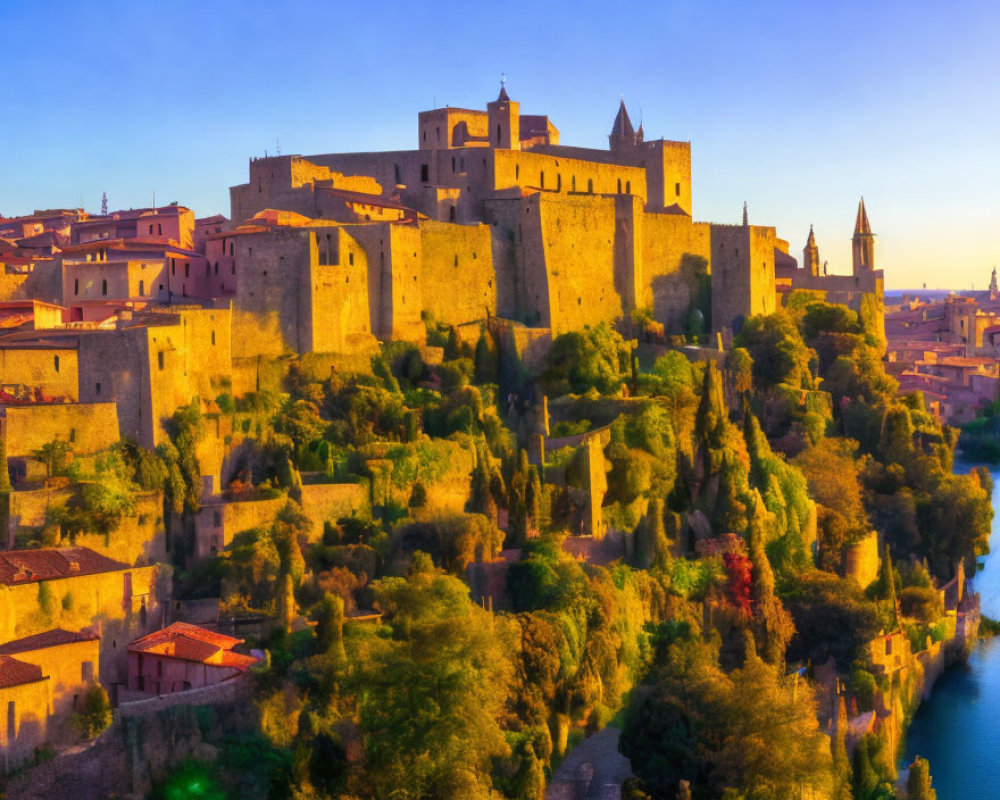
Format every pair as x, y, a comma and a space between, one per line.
558, 182
517, 172
438, 133
76, 286
216, 267
590, 185
498, 135
159, 230
619, 186
395, 172
56, 361
151, 229
173, 266
350, 258
573, 183
213, 338
104, 286
677, 189
230, 248
456, 259
187, 269
453, 164
541, 179
628, 187
97, 388
142, 288
424, 173
425, 135
451, 214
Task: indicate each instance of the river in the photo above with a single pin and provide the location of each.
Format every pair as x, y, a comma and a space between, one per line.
958, 728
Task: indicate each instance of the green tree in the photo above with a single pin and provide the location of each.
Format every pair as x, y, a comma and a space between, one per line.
55, 455
330, 625
918, 784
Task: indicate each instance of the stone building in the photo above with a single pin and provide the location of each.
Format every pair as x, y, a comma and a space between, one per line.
863, 290
489, 216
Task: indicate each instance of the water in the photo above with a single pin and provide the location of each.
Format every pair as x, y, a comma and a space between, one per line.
958, 729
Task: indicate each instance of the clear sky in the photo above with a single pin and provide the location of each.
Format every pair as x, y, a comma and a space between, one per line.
796, 107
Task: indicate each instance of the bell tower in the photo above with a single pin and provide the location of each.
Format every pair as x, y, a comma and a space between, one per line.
863, 242
810, 255
505, 120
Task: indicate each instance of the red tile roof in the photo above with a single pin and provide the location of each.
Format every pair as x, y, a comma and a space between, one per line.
16, 673
191, 643
52, 638
27, 566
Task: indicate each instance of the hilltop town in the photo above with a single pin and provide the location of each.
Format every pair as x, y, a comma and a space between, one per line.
497, 399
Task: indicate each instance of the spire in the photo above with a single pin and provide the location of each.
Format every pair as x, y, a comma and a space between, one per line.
861, 225
746, 218
623, 125
504, 97
811, 241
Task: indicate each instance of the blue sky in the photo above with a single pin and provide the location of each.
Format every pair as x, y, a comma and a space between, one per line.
797, 108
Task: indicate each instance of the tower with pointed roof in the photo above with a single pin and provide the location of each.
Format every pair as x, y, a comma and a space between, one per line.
863, 248
623, 135
810, 255
504, 121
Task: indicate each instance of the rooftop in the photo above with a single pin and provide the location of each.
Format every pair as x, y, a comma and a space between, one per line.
52, 638
30, 566
16, 673
190, 643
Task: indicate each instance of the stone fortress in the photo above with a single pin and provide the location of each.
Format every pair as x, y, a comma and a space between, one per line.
110, 323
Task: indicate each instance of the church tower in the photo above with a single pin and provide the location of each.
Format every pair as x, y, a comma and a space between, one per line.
993, 285
863, 249
810, 255
622, 134
505, 121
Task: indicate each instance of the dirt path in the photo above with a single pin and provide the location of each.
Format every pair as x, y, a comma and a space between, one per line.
593, 770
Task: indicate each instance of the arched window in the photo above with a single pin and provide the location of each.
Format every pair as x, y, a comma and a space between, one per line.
619, 186
628, 187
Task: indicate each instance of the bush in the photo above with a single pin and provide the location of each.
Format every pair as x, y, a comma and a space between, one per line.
96, 714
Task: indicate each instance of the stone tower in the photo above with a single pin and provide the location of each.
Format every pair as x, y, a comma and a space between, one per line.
993, 285
863, 249
505, 122
623, 135
810, 255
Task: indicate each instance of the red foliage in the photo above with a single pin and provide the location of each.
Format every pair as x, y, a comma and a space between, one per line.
737, 580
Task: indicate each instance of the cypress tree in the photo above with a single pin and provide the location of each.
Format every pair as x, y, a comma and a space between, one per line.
918, 785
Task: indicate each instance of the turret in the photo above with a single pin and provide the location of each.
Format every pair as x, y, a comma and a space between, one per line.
505, 121
863, 248
810, 255
622, 133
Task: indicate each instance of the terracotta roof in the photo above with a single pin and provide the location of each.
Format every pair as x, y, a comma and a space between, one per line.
218, 640
28, 566
15, 673
52, 638
191, 643
861, 225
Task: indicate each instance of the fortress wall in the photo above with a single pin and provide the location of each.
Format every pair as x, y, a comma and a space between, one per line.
406, 287
139, 540
266, 309
459, 282
578, 236
668, 173
517, 168
504, 219
331, 501
667, 288
338, 318
44, 282
742, 274
55, 371
628, 268
88, 427
116, 366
